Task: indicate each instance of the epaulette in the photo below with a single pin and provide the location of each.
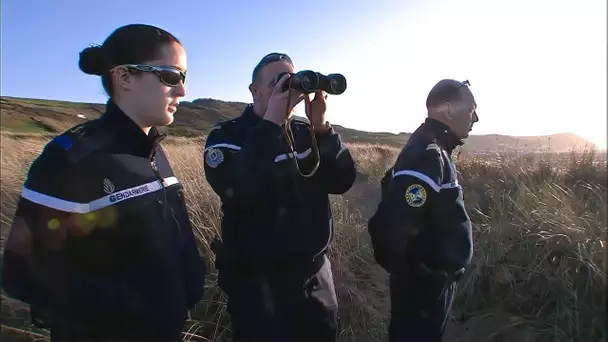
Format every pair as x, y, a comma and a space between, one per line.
301, 120
83, 140
216, 127
223, 125
433, 146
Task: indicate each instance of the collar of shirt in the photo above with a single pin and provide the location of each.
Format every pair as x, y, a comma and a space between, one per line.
250, 115
129, 133
443, 134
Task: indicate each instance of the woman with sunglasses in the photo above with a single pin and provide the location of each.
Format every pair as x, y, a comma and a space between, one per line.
101, 245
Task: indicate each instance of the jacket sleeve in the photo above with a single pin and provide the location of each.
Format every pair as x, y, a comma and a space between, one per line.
410, 192
237, 173
38, 263
337, 170
33, 259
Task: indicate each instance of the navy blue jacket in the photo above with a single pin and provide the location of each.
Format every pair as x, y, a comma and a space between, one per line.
421, 220
271, 214
113, 252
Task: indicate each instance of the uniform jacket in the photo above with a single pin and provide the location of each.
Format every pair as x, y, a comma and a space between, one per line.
114, 251
421, 220
271, 214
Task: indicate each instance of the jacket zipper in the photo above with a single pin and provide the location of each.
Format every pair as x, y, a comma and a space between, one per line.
155, 169
164, 190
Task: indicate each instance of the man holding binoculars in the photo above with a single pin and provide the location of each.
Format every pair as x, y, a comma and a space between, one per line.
273, 173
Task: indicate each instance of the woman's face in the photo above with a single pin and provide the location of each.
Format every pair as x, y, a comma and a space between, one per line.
154, 101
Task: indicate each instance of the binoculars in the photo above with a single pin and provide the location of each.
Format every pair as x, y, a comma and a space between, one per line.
309, 81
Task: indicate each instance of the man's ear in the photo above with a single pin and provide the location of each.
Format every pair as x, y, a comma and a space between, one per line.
448, 110
444, 110
253, 90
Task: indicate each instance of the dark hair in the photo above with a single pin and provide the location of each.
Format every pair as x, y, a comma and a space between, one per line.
130, 44
445, 91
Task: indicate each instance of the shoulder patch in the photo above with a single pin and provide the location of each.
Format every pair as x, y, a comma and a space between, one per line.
64, 141
67, 139
415, 195
214, 157
83, 140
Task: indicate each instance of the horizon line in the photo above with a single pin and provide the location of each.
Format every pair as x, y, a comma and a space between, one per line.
354, 129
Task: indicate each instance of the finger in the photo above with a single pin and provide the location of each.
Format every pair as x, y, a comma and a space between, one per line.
298, 97
297, 100
318, 95
307, 106
306, 99
323, 95
279, 86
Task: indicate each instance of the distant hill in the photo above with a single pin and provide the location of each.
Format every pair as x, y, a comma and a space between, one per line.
21, 115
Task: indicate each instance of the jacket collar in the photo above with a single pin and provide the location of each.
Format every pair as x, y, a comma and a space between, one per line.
129, 133
249, 115
444, 136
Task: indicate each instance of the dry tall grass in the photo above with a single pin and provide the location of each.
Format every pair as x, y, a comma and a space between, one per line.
539, 270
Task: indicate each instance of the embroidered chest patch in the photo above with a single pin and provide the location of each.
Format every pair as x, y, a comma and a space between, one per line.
415, 195
214, 157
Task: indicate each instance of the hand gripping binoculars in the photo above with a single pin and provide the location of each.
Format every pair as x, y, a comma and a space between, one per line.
309, 81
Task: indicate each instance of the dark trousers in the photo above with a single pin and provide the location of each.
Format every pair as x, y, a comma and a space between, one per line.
111, 332
282, 306
420, 307
65, 335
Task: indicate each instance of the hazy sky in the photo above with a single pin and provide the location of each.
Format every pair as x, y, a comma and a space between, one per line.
536, 67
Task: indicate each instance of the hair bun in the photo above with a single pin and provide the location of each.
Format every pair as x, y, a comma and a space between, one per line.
93, 61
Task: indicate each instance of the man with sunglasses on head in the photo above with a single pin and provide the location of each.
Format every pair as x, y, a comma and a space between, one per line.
276, 219
421, 232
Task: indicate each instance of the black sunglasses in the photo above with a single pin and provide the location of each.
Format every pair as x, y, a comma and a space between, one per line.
169, 75
464, 83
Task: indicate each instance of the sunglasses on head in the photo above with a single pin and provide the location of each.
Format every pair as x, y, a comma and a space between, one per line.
464, 83
270, 58
275, 57
168, 75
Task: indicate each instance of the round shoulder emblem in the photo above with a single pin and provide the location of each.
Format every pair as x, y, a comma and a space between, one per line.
415, 195
214, 157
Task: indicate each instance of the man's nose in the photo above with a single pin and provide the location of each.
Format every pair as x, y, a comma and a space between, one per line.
475, 117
